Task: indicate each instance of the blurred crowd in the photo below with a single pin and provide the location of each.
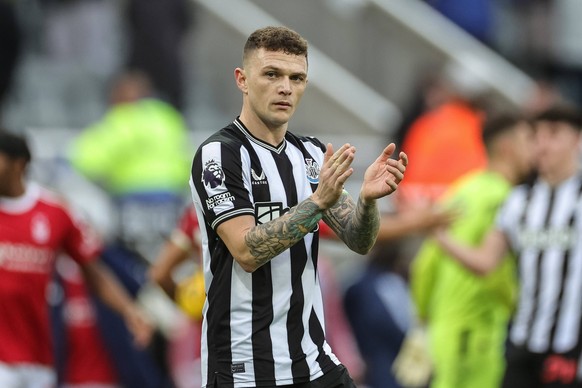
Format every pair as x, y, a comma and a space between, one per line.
389, 321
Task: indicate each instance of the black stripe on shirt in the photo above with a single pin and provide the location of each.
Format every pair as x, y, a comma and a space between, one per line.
295, 329
538, 266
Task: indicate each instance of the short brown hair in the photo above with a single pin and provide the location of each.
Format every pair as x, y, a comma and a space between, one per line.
562, 113
274, 38
498, 124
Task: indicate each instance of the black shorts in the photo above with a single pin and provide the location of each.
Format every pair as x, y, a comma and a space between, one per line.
338, 377
526, 369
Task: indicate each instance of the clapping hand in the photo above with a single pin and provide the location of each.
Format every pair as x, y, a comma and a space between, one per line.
384, 175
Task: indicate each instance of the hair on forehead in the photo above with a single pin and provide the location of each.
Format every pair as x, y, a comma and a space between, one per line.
562, 113
14, 146
274, 38
498, 124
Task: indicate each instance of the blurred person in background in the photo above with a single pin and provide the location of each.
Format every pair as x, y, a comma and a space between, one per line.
430, 92
467, 314
379, 309
185, 286
182, 245
445, 141
37, 225
540, 224
139, 154
380, 324
81, 357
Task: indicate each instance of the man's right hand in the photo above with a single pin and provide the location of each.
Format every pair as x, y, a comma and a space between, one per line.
333, 175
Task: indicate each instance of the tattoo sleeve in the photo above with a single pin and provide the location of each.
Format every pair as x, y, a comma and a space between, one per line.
270, 239
356, 224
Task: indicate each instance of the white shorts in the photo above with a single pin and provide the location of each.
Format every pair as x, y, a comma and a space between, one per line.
27, 376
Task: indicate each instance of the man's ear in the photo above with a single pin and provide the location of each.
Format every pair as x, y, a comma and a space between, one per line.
241, 79
21, 164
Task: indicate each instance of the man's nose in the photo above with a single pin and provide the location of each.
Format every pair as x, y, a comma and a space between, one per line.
285, 86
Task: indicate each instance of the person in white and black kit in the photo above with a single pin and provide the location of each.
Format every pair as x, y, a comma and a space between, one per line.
541, 223
259, 192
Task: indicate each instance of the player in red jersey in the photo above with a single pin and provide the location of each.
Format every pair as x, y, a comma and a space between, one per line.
183, 244
35, 227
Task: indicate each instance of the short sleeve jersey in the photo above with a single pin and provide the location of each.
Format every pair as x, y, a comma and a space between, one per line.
267, 327
34, 229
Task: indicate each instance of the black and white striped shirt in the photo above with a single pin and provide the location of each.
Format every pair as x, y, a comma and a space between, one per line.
264, 328
544, 229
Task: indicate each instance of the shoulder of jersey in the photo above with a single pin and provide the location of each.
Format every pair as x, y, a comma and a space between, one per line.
53, 198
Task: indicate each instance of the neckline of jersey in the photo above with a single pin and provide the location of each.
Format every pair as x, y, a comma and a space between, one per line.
279, 149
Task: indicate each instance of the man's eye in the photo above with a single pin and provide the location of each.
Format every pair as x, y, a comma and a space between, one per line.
271, 74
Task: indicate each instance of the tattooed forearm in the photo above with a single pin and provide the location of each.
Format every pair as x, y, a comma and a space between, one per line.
270, 239
356, 224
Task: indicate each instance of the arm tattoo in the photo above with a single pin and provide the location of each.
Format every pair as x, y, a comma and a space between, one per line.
270, 239
356, 224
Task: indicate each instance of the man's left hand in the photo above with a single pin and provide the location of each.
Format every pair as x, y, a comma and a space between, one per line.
384, 174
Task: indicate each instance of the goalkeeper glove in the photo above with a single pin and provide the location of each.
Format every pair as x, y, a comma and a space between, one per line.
413, 366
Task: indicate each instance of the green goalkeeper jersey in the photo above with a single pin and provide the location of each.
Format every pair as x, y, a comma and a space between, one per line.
444, 290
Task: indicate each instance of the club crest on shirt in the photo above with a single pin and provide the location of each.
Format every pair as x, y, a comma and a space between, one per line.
312, 170
213, 175
40, 228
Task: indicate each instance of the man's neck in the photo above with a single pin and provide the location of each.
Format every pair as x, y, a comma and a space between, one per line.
554, 178
504, 169
16, 190
262, 131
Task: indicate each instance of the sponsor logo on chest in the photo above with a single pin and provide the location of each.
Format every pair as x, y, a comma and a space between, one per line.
258, 179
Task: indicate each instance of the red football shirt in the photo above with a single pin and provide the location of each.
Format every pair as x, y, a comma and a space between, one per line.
34, 229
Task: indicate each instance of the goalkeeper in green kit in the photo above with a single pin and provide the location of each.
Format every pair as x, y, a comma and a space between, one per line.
466, 315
